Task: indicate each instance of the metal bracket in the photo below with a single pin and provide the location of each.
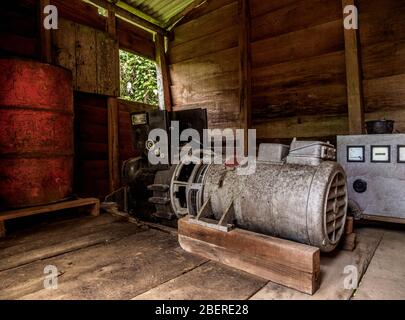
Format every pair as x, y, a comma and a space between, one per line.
223, 224
227, 216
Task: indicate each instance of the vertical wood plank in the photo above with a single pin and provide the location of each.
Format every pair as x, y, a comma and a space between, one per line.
245, 69
349, 228
64, 46
107, 60
95, 209
113, 144
112, 103
2, 229
86, 61
165, 101
111, 26
354, 78
44, 34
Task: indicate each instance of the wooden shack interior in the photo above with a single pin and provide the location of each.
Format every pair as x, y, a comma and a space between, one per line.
287, 68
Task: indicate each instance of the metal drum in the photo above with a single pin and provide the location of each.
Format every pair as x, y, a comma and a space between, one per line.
36, 133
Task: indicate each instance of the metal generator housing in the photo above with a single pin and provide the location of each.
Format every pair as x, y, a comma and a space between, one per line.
296, 192
300, 197
375, 167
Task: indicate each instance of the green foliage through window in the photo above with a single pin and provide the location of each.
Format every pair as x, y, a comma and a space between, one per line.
138, 79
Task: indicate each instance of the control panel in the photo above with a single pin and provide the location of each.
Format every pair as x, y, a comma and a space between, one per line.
375, 168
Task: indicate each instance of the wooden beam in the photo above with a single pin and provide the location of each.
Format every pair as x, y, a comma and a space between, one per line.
348, 242
383, 219
354, 78
44, 34
113, 144
2, 229
137, 12
165, 101
349, 227
245, 91
133, 106
284, 262
111, 26
113, 115
176, 19
131, 17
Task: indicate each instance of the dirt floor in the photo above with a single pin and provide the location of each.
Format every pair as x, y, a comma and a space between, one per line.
109, 258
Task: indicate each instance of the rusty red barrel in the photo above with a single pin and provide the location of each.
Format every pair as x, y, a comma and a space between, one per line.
36, 133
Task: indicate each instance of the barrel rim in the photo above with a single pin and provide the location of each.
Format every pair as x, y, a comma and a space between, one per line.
35, 61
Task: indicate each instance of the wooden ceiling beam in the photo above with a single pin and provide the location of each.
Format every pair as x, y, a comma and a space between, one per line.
138, 12
191, 7
131, 17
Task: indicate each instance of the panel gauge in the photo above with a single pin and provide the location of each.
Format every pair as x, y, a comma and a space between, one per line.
381, 154
356, 154
401, 154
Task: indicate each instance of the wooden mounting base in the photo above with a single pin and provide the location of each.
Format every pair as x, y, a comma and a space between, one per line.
92, 204
348, 242
281, 261
383, 219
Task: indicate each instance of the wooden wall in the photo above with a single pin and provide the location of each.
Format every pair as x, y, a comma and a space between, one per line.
204, 64
298, 66
89, 53
382, 38
91, 145
298, 69
19, 29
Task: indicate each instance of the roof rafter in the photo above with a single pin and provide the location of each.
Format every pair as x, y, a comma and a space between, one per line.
176, 19
131, 17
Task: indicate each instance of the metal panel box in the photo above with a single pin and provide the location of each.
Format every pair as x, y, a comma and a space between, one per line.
375, 168
272, 152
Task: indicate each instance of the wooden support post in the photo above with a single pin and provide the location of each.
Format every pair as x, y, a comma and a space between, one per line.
113, 144
2, 229
349, 242
284, 262
112, 24
165, 102
349, 227
244, 69
113, 114
95, 209
354, 78
349, 237
44, 34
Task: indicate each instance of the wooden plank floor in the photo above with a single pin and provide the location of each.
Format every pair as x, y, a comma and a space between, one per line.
108, 258
332, 271
385, 277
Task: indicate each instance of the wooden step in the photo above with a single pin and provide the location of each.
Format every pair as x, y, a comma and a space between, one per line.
92, 204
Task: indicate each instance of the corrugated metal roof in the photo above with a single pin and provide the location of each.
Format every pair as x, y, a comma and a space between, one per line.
162, 11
